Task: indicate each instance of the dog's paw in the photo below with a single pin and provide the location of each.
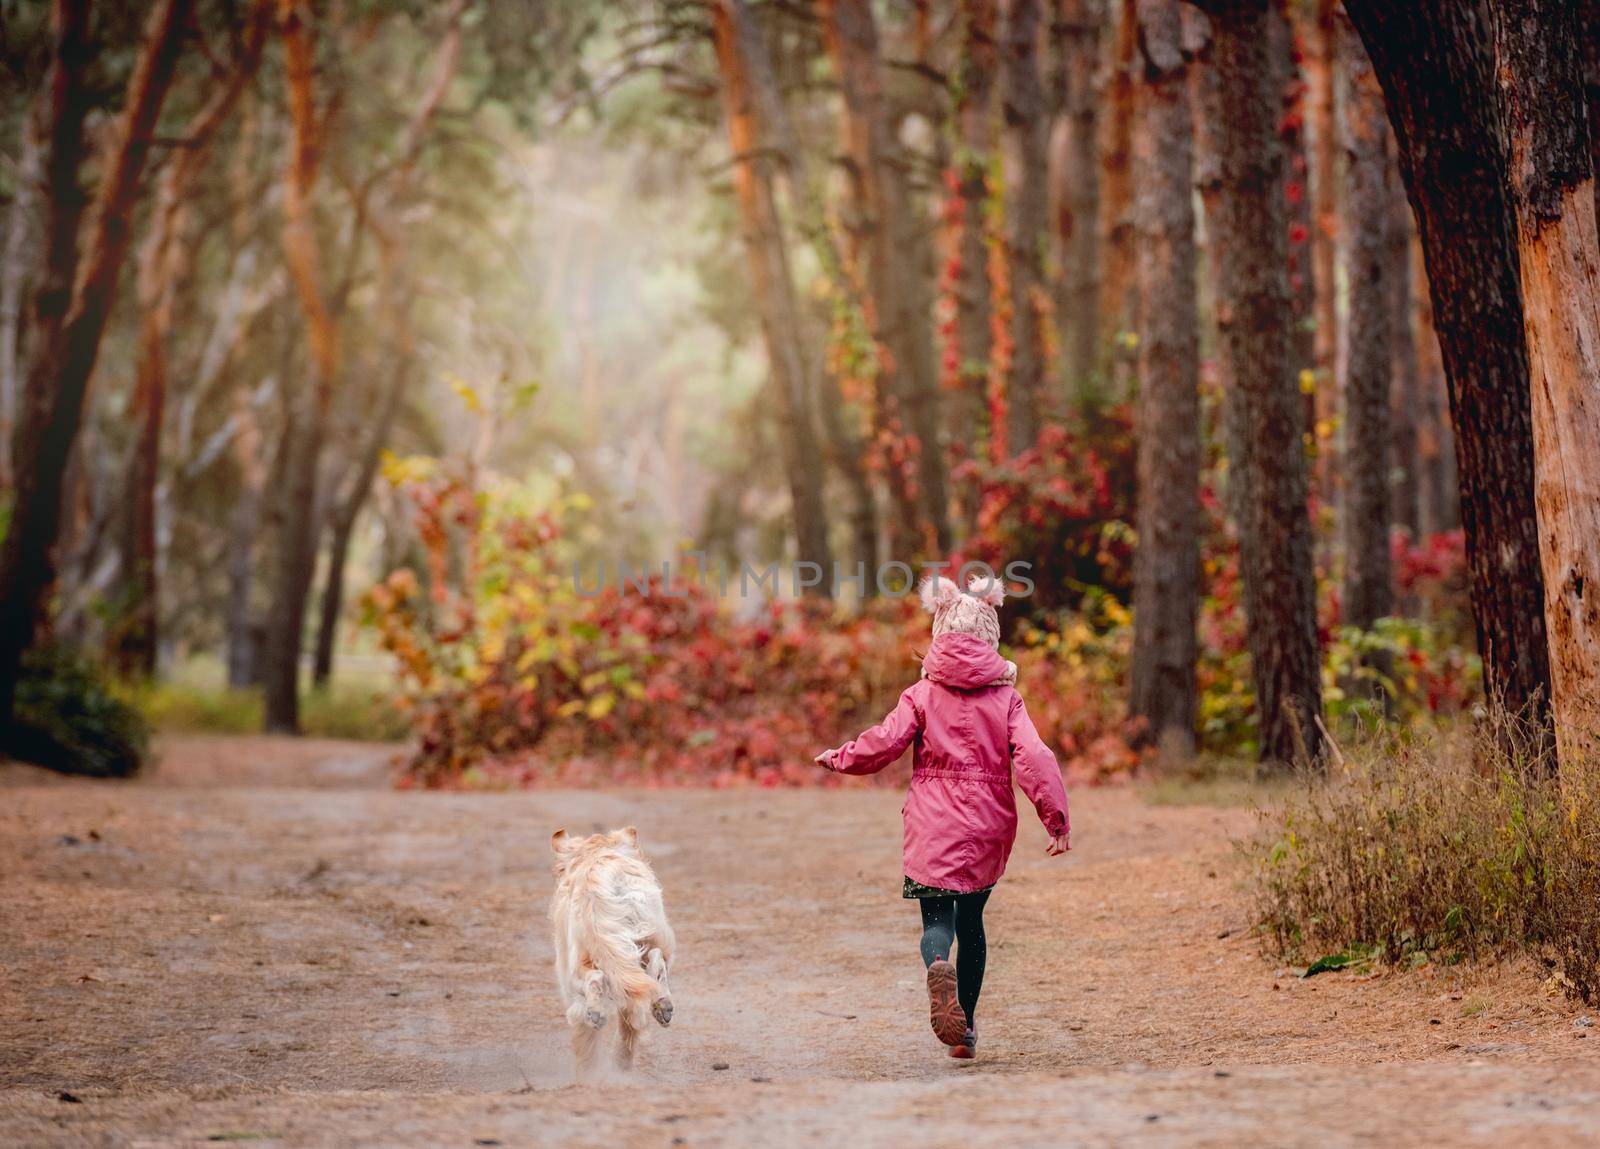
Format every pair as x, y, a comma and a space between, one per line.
594, 1019
662, 1010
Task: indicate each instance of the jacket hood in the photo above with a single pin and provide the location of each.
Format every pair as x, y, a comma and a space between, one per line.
964, 661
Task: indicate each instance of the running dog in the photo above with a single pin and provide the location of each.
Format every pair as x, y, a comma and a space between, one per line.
612, 941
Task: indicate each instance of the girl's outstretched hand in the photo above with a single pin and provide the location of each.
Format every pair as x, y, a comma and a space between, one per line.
825, 759
1059, 846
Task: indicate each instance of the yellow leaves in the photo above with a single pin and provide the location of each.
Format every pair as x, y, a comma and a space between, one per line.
466, 393
401, 471
600, 705
1308, 381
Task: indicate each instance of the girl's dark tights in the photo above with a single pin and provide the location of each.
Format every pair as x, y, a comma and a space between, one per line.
957, 919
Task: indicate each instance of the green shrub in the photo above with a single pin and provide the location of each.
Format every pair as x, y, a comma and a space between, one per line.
344, 710
68, 719
1439, 849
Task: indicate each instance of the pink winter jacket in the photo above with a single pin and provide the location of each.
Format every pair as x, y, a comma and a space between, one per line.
960, 816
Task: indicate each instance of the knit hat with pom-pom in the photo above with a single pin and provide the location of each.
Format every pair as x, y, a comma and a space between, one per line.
971, 611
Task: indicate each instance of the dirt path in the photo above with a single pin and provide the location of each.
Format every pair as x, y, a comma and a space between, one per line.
264, 942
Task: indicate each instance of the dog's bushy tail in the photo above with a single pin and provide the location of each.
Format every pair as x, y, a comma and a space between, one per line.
617, 957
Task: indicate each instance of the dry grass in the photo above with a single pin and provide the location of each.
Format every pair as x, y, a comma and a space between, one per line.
1439, 847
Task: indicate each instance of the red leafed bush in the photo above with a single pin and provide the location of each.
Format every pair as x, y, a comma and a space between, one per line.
510, 676
1065, 506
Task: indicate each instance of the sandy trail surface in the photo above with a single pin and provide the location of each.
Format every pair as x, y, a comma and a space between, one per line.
264, 942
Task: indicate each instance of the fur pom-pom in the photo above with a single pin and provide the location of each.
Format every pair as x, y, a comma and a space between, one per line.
938, 593
988, 588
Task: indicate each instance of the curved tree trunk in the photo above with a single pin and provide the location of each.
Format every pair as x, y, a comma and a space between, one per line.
1368, 356
1027, 222
737, 43
66, 349
1435, 62
164, 261
1251, 247
1553, 198
1166, 574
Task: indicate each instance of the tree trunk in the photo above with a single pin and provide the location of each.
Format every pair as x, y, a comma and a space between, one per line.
65, 352
244, 525
21, 240
1297, 199
394, 307
1166, 576
1436, 451
164, 261
1275, 528
1206, 97
1027, 222
1436, 65
1589, 38
1553, 198
975, 117
1117, 277
1075, 177
888, 228
345, 515
1368, 355
297, 545
845, 444
1325, 178
1406, 401
738, 45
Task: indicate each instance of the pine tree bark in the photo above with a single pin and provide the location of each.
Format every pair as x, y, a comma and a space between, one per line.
1078, 32
1553, 199
66, 346
1435, 62
975, 118
1368, 355
737, 44
1166, 575
1274, 527
1206, 97
1323, 68
1589, 39
887, 227
1117, 276
1286, 54
1027, 218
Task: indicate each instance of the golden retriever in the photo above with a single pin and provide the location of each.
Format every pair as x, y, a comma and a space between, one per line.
612, 941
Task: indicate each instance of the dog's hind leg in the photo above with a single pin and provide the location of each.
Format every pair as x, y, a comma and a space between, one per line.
655, 964
628, 1035
594, 995
586, 1042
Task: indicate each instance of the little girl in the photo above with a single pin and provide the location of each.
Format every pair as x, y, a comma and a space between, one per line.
969, 726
